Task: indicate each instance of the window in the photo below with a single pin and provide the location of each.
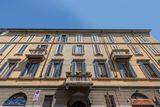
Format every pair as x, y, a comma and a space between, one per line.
4, 47
14, 38
7, 68
97, 49
110, 102
3, 33
30, 70
23, 47
135, 49
78, 49
59, 49
149, 69
78, 38
94, 38
153, 49
63, 38
111, 38
78, 66
143, 39
48, 100
46, 38
127, 39
29, 39
18, 99
54, 69
126, 70
101, 69
42, 46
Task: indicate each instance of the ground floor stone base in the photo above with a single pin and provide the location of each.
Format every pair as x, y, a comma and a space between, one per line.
94, 97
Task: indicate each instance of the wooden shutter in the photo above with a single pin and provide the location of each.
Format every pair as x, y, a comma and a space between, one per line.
144, 69
132, 70
83, 67
96, 69
155, 69
121, 69
108, 69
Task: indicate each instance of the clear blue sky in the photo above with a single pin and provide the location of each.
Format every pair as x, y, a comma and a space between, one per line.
108, 14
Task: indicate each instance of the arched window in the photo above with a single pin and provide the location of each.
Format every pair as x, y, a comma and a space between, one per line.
18, 99
138, 96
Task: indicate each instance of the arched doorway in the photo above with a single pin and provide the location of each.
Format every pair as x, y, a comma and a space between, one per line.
78, 104
78, 99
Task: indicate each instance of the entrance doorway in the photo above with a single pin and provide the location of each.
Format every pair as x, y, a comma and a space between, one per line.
78, 104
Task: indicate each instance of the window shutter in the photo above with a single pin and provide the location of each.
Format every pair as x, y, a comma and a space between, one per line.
73, 67
74, 49
83, 49
144, 69
57, 70
61, 49
155, 69
96, 70
121, 69
35, 67
48, 70
132, 71
108, 70
52, 69
83, 67
60, 69
3, 66
10, 70
59, 38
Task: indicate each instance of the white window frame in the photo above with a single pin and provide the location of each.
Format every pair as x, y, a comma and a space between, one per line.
95, 38
75, 49
79, 38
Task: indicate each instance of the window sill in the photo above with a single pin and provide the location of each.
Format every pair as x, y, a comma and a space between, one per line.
58, 54
18, 54
78, 54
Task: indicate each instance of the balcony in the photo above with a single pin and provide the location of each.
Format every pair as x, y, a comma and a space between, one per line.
78, 80
120, 54
37, 54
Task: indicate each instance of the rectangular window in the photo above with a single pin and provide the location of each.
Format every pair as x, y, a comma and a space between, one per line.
59, 49
7, 69
63, 39
78, 49
23, 47
95, 38
111, 38
154, 49
42, 47
78, 66
126, 70
110, 102
3, 32
97, 49
149, 69
127, 39
48, 101
135, 49
78, 38
14, 38
102, 69
46, 38
30, 70
143, 39
29, 39
54, 69
4, 47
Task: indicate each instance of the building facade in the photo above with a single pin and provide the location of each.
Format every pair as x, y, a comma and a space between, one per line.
79, 68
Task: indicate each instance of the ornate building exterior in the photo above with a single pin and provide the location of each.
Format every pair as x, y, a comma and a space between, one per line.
79, 68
